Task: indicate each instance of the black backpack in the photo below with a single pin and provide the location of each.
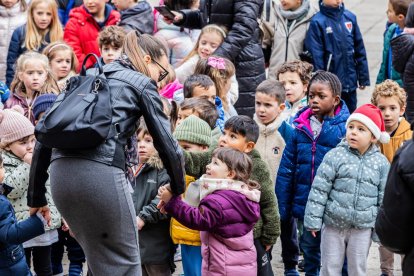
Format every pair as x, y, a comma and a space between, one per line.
81, 116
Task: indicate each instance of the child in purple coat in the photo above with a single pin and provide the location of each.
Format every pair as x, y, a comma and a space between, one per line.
226, 214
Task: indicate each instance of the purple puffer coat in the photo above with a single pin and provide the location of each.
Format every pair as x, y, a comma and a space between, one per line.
226, 219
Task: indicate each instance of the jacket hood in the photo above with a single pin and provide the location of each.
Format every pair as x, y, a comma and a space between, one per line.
210, 185
140, 8
402, 49
403, 128
155, 162
248, 209
10, 159
302, 117
330, 11
372, 149
82, 15
270, 128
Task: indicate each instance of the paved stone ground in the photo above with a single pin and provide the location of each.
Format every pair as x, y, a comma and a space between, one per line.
371, 18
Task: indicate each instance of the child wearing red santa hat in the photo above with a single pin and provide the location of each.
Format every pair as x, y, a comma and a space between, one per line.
347, 192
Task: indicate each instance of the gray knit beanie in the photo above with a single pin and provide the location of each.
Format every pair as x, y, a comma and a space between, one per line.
193, 130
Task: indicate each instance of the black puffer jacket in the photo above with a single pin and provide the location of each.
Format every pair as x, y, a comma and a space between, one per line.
135, 97
403, 62
241, 45
395, 220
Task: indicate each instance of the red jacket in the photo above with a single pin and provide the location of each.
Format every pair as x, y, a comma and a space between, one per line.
82, 30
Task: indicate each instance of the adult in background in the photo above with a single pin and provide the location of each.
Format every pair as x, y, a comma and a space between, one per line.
242, 44
402, 47
395, 220
89, 187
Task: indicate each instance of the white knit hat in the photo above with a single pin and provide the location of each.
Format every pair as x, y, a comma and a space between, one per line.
371, 117
14, 125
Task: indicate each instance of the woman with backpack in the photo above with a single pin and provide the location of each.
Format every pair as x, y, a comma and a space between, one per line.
89, 186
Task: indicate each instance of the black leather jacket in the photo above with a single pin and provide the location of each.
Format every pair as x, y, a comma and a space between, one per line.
130, 100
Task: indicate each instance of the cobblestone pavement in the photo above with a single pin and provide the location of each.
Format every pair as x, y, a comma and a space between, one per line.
371, 19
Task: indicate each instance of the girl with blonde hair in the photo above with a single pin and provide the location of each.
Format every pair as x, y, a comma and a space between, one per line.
211, 37
42, 27
62, 60
32, 79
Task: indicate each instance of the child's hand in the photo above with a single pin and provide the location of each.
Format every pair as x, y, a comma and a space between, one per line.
65, 226
140, 223
166, 195
313, 232
27, 158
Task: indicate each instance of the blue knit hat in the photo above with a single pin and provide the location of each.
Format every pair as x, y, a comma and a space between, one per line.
42, 104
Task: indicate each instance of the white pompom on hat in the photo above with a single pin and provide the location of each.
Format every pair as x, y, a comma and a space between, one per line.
371, 117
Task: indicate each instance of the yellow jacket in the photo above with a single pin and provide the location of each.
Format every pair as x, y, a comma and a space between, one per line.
181, 234
402, 134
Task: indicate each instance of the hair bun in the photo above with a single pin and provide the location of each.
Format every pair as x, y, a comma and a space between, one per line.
18, 108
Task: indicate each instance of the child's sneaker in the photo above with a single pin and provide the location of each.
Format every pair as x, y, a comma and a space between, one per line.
291, 272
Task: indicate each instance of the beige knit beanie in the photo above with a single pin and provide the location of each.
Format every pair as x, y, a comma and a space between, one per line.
14, 125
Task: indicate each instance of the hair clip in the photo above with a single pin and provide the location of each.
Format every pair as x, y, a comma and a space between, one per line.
216, 62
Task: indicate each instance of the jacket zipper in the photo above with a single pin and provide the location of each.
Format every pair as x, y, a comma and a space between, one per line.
314, 141
357, 187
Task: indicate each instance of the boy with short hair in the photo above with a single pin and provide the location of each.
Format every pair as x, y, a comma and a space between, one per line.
241, 133
110, 41
200, 86
193, 134
197, 86
136, 15
396, 12
391, 99
82, 29
274, 131
336, 45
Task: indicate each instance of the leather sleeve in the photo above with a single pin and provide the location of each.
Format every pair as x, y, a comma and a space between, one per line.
192, 19
36, 194
160, 130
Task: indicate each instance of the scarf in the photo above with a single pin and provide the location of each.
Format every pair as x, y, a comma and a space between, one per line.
298, 13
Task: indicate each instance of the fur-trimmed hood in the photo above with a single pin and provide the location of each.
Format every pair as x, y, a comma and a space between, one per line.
155, 162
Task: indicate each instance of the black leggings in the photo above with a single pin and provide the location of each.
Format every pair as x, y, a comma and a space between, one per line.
41, 259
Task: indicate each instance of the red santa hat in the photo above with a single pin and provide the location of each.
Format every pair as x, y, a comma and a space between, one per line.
371, 117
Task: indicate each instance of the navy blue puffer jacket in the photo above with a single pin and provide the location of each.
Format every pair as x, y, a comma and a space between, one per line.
301, 158
335, 43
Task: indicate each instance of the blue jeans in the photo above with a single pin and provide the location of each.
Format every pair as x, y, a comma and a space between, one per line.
191, 258
311, 247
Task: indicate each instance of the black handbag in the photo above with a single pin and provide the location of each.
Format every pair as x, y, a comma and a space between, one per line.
81, 116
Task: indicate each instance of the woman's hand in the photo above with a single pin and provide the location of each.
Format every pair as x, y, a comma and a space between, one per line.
178, 17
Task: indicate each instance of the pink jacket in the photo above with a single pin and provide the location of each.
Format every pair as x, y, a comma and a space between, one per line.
228, 256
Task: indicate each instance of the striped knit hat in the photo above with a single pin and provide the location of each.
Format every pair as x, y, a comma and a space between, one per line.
14, 125
193, 130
